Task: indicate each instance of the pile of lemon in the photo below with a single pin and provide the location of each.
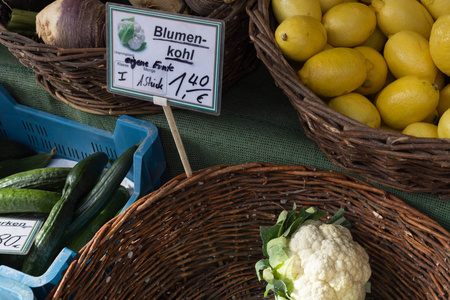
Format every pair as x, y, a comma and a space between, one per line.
384, 63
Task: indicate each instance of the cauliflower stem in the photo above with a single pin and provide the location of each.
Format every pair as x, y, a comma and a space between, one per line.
308, 259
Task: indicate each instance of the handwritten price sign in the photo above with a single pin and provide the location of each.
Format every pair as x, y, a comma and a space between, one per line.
173, 56
17, 235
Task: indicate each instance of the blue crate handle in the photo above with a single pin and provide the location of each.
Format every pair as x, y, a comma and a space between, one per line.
13, 290
41, 285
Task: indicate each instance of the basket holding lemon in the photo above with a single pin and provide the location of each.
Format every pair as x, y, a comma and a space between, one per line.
386, 60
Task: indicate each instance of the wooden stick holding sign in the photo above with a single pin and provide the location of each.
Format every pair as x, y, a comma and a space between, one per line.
175, 133
172, 58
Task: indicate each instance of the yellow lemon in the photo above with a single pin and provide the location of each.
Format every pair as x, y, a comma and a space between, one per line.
357, 107
421, 129
334, 72
377, 71
349, 24
406, 100
376, 40
440, 43
397, 15
408, 53
300, 37
283, 9
444, 125
444, 100
437, 8
327, 4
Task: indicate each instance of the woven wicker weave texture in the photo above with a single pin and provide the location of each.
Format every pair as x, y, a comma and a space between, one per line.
198, 237
77, 77
388, 158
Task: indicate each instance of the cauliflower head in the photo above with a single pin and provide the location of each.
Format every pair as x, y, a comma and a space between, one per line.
330, 265
312, 260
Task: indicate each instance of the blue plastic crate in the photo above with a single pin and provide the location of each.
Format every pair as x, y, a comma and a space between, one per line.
74, 141
13, 290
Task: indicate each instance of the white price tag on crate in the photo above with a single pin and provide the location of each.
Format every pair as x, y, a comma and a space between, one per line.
17, 235
174, 56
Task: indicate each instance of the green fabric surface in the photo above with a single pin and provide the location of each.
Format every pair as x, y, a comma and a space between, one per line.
257, 124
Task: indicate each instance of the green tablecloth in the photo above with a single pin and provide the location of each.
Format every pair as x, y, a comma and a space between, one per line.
256, 124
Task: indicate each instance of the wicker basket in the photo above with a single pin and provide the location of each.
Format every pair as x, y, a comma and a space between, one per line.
198, 237
385, 157
77, 77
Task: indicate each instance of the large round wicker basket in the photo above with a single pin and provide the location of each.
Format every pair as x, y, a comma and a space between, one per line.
381, 156
198, 237
77, 77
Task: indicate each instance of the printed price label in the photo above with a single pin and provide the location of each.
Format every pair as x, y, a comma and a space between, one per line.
17, 235
175, 56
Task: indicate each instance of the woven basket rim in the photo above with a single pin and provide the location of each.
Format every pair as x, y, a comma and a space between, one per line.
410, 232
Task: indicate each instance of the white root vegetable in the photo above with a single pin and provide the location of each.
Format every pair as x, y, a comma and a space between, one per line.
173, 6
72, 24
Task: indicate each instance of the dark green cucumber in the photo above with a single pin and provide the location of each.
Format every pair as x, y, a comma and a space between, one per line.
79, 181
27, 200
12, 166
94, 202
47, 179
10, 149
113, 207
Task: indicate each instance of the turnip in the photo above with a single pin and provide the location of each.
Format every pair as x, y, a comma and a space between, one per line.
72, 24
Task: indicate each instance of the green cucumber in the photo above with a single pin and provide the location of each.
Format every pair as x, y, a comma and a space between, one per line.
94, 202
10, 149
27, 200
47, 179
12, 166
113, 207
79, 181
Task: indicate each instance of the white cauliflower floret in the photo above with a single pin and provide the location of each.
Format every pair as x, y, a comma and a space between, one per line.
310, 260
331, 265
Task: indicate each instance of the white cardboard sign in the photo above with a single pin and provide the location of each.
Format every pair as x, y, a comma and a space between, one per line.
17, 235
173, 56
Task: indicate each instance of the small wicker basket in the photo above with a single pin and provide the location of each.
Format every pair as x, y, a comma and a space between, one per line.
198, 237
385, 157
77, 77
